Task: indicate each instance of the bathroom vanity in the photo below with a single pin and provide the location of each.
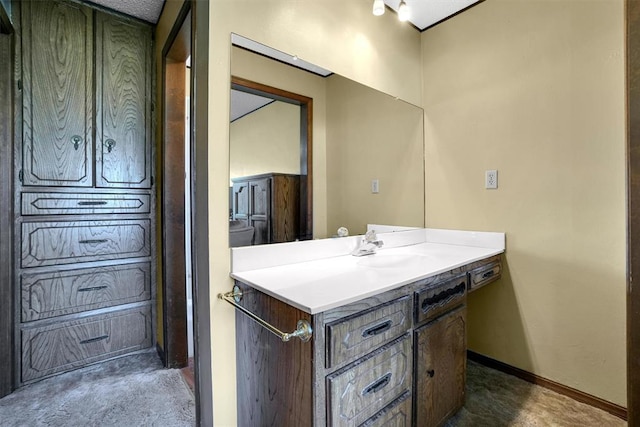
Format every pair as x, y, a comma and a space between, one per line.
388, 346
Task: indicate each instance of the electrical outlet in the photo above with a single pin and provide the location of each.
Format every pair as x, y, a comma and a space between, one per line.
375, 186
491, 179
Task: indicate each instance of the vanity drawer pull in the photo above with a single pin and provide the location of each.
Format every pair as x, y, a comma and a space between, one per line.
378, 329
488, 274
90, 340
93, 288
92, 241
377, 385
444, 296
92, 203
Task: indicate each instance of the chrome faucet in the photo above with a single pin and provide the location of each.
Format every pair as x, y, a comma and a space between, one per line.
368, 244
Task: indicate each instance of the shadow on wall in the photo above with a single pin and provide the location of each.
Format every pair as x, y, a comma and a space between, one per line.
495, 304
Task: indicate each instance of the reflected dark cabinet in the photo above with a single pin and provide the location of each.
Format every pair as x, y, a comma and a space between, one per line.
84, 252
271, 204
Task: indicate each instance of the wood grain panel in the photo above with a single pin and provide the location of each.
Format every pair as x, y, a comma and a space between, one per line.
240, 200
356, 336
58, 293
123, 91
440, 367
285, 201
274, 378
58, 99
358, 392
51, 243
83, 203
397, 414
63, 346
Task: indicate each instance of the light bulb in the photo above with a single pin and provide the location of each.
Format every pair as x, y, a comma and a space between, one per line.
378, 7
403, 11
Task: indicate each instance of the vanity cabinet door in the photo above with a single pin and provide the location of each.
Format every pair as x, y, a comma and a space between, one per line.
440, 348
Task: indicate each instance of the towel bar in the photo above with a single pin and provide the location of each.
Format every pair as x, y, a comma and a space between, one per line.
303, 328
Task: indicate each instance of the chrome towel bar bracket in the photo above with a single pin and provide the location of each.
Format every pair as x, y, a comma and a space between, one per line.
303, 328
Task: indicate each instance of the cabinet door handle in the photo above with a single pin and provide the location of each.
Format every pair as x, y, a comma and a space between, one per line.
76, 139
378, 329
92, 288
431, 373
110, 143
88, 242
377, 385
92, 203
90, 340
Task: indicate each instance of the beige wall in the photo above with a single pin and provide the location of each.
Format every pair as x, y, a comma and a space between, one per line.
535, 89
371, 135
267, 140
342, 36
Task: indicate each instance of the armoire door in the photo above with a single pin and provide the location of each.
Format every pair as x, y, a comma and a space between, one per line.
123, 91
260, 210
57, 58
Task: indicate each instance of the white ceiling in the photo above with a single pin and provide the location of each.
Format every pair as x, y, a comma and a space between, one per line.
424, 13
147, 10
243, 103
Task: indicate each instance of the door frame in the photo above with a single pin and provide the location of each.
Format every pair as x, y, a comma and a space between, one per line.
199, 203
6, 214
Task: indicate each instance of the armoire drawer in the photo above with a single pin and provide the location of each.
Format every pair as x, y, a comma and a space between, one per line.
357, 393
352, 337
434, 301
51, 243
67, 345
58, 293
83, 203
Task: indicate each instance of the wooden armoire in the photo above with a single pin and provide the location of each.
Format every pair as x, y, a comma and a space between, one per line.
270, 203
84, 247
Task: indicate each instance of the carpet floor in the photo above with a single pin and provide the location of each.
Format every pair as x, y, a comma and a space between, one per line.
136, 391
495, 399
130, 391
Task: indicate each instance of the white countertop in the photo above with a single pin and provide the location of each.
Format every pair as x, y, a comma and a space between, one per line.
316, 284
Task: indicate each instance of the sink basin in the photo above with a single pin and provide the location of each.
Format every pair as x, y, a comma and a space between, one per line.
379, 260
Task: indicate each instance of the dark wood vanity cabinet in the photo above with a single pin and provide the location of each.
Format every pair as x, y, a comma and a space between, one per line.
271, 204
84, 203
394, 359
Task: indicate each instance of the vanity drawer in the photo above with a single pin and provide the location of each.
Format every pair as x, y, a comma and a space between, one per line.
358, 392
83, 203
51, 243
51, 294
434, 301
63, 346
355, 336
485, 274
397, 414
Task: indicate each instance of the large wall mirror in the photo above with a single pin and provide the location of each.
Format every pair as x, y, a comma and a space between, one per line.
306, 148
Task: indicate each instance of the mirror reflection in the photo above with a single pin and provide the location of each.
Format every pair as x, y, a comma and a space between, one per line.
311, 153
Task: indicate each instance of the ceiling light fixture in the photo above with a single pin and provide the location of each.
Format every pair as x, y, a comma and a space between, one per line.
378, 7
403, 11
